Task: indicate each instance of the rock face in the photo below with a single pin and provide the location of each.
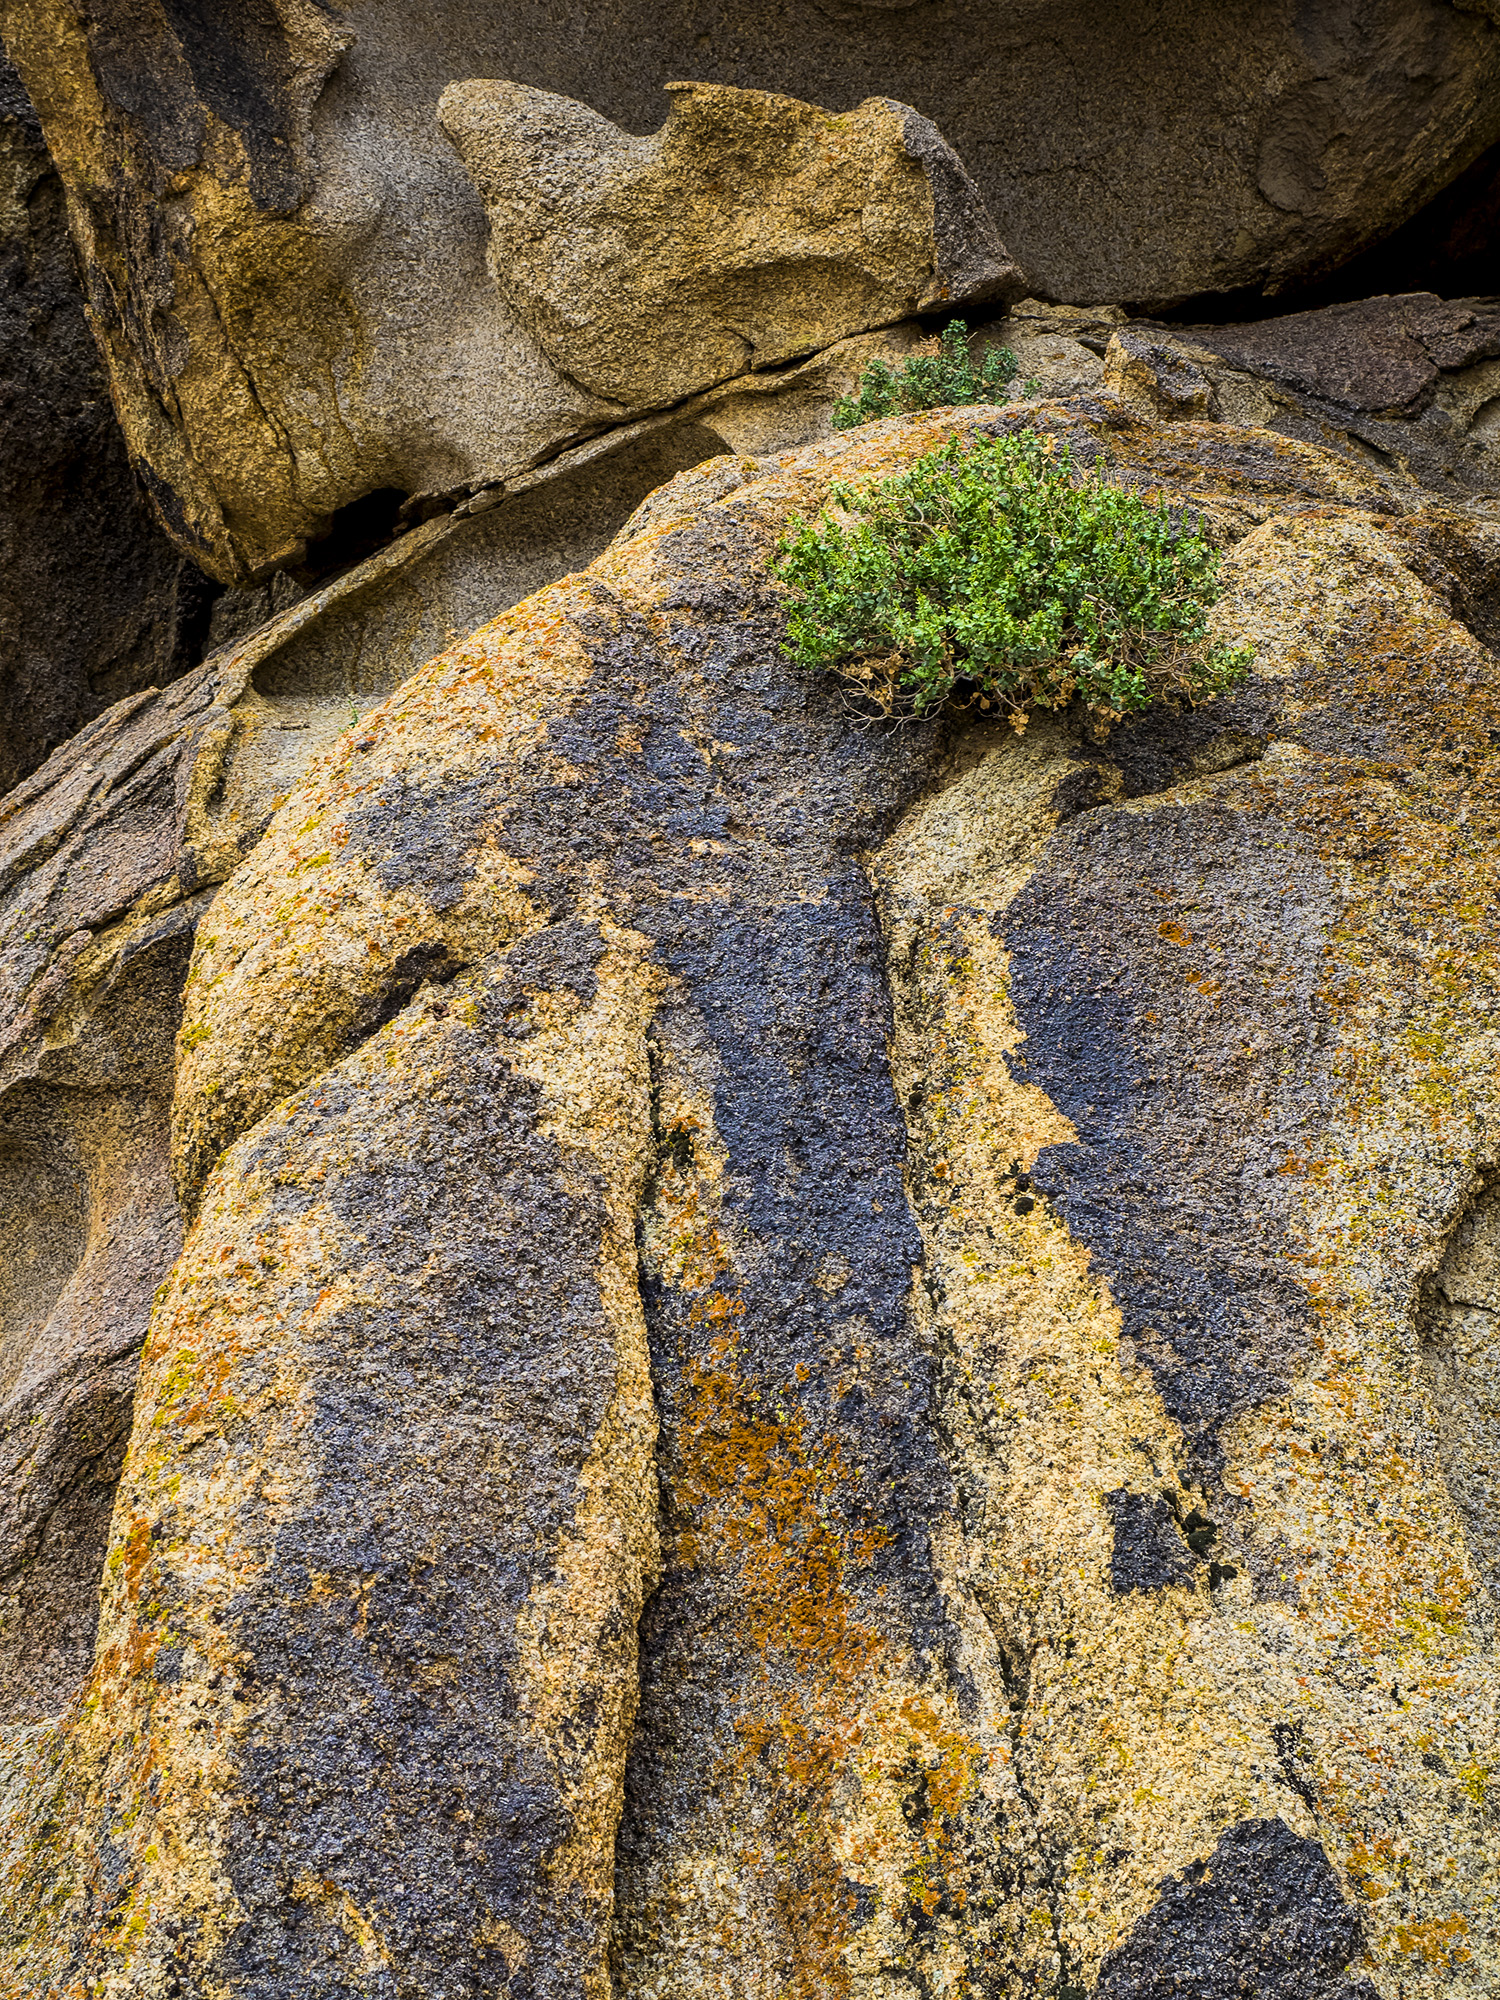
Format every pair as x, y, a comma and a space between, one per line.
1462, 1365
95, 603
750, 229
111, 854
295, 317
655, 1345
285, 258
807, 1361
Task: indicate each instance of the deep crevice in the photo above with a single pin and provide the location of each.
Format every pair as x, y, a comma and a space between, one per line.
357, 530
424, 965
1450, 247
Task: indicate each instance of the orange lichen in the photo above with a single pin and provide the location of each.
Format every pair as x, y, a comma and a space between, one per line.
762, 1495
1437, 1940
760, 1490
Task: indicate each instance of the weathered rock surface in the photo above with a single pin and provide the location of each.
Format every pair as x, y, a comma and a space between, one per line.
1461, 1358
286, 262
288, 282
748, 230
95, 603
111, 854
813, 1362
1410, 383
1373, 356
1184, 152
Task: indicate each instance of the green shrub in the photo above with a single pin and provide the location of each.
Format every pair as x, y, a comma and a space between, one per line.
998, 572
929, 382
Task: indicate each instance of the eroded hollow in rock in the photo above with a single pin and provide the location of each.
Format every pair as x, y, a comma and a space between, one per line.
486, 564
1458, 1322
356, 531
71, 1440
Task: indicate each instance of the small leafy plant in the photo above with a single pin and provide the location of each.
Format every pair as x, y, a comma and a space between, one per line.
929, 381
1001, 573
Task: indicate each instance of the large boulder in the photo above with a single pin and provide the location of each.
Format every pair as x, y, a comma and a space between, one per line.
748, 230
808, 1359
286, 259
109, 858
287, 273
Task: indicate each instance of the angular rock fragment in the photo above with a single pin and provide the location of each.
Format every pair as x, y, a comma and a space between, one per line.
1375, 355
1324, 377
1411, 382
749, 229
1155, 377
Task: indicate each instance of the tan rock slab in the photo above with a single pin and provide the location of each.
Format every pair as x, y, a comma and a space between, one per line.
750, 229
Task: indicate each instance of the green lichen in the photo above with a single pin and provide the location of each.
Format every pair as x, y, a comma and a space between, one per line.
998, 571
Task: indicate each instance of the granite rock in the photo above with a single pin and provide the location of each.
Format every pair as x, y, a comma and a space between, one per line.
285, 259
750, 229
109, 856
286, 271
629, 1493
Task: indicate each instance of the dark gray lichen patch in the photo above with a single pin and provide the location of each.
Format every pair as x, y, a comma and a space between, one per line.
732, 838
1149, 1550
1263, 1916
422, 837
1164, 969
561, 957
390, 1758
